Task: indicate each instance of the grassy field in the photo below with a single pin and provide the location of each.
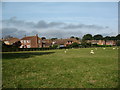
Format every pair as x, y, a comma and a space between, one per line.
55, 69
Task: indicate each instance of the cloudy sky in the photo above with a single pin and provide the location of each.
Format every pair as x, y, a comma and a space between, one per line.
59, 19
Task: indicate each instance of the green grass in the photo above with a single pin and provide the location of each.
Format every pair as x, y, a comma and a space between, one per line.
55, 69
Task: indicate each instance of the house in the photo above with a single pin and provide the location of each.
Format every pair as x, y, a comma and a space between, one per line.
98, 42
10, 41
36, 42
65, 42
102, 42
46, 43
31, 42
92, 41
111, 42
1, 39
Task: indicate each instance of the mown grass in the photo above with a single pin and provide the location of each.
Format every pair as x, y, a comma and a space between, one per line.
55, 69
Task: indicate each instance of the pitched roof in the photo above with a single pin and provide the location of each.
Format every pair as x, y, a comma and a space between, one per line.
29, 37
63, 41
59, 41
47, 42
12, 40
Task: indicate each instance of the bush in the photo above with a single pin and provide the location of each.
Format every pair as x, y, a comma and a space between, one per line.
118, 43
10, 48
94, 45
54, 46
35, 49
74, 44
85, 44
103, 45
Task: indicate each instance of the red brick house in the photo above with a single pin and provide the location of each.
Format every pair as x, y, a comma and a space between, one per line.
31, 42
111, 42
46, 43
102, 42
65, 42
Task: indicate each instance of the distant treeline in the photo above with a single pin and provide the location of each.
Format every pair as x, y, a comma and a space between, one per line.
100, 37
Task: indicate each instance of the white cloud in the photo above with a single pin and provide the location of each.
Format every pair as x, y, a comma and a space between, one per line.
19, 28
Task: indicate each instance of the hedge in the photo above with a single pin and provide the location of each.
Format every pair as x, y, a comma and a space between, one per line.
4, 49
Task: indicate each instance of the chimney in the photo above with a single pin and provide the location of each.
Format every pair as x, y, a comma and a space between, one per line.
37, 35
37, 40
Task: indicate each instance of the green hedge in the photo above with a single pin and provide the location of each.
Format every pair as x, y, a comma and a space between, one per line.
13, 49
95, 45
37, 49
10, 49
34, 49
4, 49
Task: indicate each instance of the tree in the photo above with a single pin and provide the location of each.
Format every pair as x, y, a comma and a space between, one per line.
72, 37
98, 37
107, 38
118, 37
85, 44
43, 38
17, 44
118, 40
6, 47
8, 36
53, 38
118, 43
113, 38
13, 47
55, 46
77, 38
87, 37
74, 44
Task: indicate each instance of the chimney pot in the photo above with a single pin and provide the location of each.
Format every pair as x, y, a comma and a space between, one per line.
36, 34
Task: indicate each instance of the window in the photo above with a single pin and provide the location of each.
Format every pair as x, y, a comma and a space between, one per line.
21, 46
53, 42
43, 41
21, 41
40, 46
38, 41
24, 41
28, 41
28, 46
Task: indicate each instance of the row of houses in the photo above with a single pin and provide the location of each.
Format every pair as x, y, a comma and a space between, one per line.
102, 42
37, 42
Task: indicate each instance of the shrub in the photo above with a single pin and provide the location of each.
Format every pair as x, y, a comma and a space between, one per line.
118, 43
104, 45
54, 46
74, 44
85, 44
